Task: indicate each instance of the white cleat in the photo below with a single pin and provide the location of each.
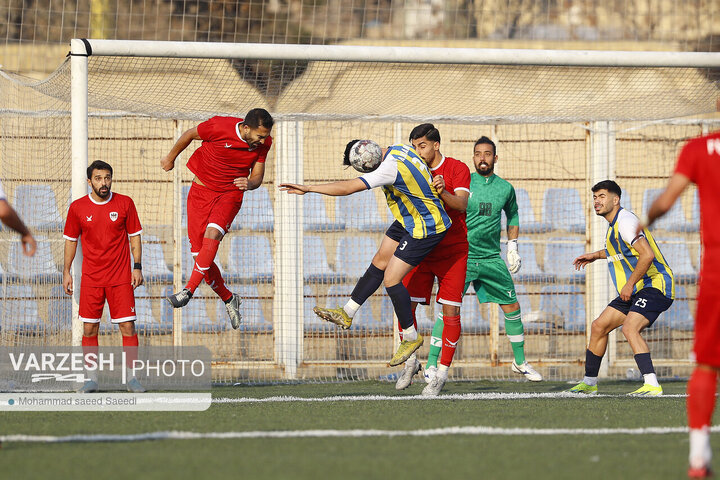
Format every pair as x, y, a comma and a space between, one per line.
233, 310
134, 386
90, 386
529, 372
410, 369
429, 374
433, 388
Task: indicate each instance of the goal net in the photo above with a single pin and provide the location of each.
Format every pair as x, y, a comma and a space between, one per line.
561, 120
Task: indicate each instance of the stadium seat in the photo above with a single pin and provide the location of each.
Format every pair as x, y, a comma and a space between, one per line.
315, 261
19, 311
195, 318
59, 312
41, 266
424, 315
527, 215
563, 209
338, 295
146, 322
471, 318
360, 212
674, 220
559, 255
625, 201
354, 254
678, 316
529, 269
256, 213
37, 206
154, 266
250, 259
563, 305
316, 219
677, 255
253, 318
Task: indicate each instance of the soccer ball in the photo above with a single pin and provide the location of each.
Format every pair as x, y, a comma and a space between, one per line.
365, 156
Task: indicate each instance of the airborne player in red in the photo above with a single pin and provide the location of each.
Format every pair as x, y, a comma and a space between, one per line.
230, 161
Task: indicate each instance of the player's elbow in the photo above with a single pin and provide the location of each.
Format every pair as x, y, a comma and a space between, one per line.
5, 210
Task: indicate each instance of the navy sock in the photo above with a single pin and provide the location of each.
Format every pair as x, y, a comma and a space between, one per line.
368, 284
401, 302
592, 364
644, 363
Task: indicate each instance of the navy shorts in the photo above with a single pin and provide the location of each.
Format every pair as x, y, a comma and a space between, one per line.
648, 302
412, 250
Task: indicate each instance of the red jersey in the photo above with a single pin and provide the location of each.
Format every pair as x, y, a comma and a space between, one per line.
224, 155
699, 160
104, 229
457, 178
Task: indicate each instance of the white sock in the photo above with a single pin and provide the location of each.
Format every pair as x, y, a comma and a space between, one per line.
443, 371
410, 334
412, 359
651, 379
700, 452
592, 381
351, 308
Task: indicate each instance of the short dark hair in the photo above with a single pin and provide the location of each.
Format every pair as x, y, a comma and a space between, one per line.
609, 185
259, 117
487, 141
426, 130
98, 165
346, 155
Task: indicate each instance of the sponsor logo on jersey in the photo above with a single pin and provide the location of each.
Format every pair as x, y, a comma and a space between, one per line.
89, 219
228, 145
113, 216
615, 258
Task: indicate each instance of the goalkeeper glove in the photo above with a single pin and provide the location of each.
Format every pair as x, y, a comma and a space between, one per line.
513, 257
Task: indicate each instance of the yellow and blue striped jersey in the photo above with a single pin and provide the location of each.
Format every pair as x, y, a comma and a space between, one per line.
622, 258
411, 197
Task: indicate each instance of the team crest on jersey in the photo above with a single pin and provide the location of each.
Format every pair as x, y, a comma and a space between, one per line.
113, 216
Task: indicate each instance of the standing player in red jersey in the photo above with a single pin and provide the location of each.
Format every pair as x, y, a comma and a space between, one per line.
230, 161
447, 262
104, 220
698, 163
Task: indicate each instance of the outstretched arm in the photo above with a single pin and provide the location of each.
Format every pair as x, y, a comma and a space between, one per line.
9, 217
334, 189
182, 143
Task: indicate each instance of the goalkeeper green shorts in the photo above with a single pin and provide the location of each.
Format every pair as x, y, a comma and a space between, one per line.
492, 281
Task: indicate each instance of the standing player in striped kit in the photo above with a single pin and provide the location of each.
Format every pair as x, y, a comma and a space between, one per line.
698, 163
645, 286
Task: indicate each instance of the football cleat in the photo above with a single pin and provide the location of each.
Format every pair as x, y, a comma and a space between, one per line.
233, 309
408, 372
90, 386
647, 390
429, 374
180, 299
405, 349
338, 316
703, 472
433, 388
134, 386
529, 372
584, 388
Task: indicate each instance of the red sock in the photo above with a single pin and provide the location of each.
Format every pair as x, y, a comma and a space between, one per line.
216, 282
701, 397
400, 329
451, 335
130, 347
203, 262
90, 345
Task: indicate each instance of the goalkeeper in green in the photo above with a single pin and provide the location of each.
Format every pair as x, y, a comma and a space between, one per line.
486, 270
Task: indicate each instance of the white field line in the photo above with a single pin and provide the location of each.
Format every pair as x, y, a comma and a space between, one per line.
455, 396
467, 430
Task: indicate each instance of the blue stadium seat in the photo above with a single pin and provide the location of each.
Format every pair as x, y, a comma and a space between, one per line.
195, 318
253, 318
315, 261
250, 259
59, 313
311, 322
354, 254
562, 208
37, 206
625, 201
564, 305
677, 255
338, 295
256, 213
316, 219
154, 266
528, 224
471, 318
424, 315
147, 323
559, 255
529, 269
19, 311
674, 220
41, 266
360, 212
679, 315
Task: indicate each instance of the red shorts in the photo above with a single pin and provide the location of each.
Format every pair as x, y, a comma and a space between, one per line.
707, 321
449, 265
120, 299
208, 208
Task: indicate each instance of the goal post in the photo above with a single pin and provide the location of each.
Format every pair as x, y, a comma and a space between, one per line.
562, 120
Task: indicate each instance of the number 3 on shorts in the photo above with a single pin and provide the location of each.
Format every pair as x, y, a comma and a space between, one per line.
641, 302
404, 244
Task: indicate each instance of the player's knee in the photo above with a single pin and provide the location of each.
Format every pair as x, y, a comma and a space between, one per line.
631, 329
214, 233
127, 329
91, 329
598, 328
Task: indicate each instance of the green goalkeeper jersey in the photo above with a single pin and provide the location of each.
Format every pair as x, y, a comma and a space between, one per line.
488, 198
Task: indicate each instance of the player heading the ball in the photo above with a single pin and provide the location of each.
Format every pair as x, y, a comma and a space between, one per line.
420, 224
